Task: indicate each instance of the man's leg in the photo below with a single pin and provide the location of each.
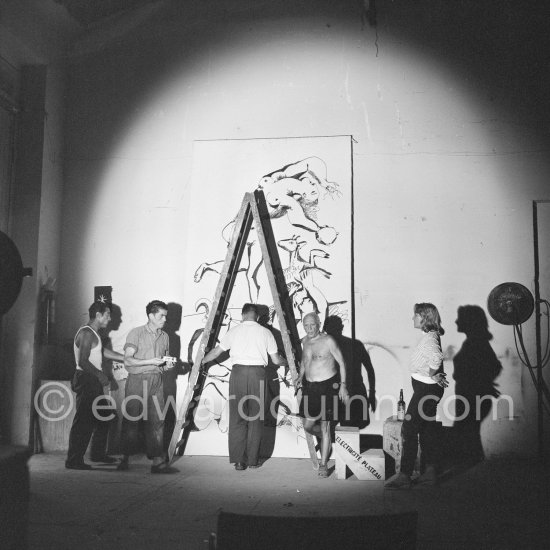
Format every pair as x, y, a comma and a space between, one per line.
238, 427
255, 412
311, 410
154, 422
104, 419
310, 426
132, 413
86, 387
326, 442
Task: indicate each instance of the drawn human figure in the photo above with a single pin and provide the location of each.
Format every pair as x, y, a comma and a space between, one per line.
212, 405
294, 191
306, 296
204, 305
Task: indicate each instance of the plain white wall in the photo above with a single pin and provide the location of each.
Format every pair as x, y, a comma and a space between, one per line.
442, 102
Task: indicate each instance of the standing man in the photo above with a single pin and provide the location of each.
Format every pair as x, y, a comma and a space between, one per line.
323, 380
249, 345
145, 359
88, 383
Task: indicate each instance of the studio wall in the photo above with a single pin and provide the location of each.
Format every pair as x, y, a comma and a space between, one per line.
443, 101
32, 78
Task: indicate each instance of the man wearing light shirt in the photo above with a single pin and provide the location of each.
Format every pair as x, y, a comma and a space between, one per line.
145, 354
250, 346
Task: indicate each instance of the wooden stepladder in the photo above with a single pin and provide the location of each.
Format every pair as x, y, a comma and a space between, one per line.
253, 212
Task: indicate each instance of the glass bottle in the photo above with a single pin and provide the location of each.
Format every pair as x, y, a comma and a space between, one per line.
401, 407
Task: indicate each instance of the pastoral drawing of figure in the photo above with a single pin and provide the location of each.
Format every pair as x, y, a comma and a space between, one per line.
292, 191
300, 280
212, 404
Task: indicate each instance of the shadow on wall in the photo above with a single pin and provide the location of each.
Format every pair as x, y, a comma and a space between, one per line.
272, 386
169, 378
476, 368
113, 326
356, 356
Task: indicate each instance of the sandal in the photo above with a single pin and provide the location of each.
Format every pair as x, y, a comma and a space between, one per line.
323, 470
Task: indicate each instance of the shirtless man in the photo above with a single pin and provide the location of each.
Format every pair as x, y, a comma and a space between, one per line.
323, 381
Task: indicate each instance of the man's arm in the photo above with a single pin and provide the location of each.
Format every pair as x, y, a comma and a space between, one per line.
113, 355
304, 364
134, 365
278, 359
367, 363
84, 342
337, 354
212, 354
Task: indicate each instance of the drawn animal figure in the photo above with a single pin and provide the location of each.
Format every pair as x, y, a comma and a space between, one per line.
297, 263
299, 277
250, 262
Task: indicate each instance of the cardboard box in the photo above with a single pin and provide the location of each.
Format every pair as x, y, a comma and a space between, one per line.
368, 466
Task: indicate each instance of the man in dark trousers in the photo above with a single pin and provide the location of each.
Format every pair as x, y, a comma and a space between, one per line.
249, 345
146, 358
88, 383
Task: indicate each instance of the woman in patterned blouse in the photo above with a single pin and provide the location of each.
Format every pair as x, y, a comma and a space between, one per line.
428, 382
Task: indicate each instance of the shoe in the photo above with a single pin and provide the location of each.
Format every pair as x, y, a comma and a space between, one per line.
77, 466
323, 470
254, 466
240, 466
398, 481
428, 478
123, 465
105, 460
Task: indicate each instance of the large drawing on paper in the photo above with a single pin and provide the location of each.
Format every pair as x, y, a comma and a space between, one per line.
294, 191
307, 185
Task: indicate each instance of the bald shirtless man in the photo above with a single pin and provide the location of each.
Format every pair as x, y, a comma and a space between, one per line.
323, 381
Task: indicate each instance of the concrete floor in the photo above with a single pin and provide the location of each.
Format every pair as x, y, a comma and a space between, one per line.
495, 505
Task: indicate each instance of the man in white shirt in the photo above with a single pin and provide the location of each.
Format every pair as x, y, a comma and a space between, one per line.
250, 345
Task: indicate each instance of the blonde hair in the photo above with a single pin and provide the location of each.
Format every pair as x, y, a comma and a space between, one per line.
430, 317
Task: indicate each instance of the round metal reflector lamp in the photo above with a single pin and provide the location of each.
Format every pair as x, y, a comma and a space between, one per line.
11, 273
510, 304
